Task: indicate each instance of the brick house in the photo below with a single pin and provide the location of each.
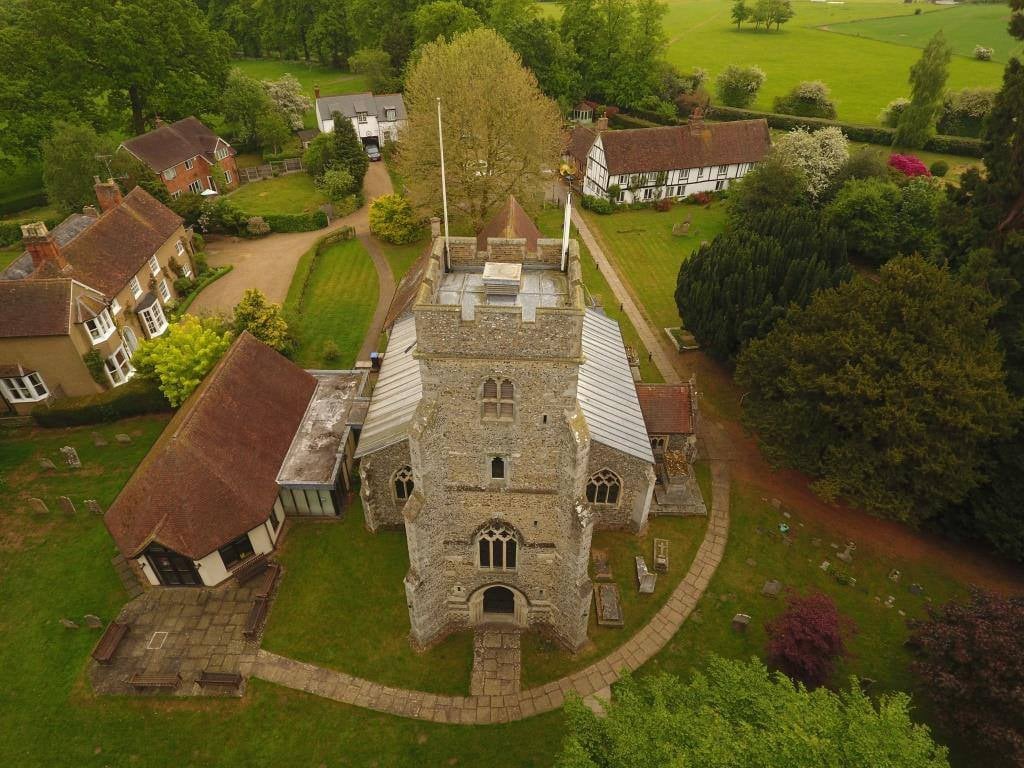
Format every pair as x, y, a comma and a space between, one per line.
184, 155
98, 281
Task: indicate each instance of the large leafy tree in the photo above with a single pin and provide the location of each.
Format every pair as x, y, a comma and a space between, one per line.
886, 390
927, 81
970, 660
262, 319
180, 359
736, 714
71, 157
739, 286
443, 19
819, 154
502, 134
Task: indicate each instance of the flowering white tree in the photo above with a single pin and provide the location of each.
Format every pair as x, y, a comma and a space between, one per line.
286, 93
819, 155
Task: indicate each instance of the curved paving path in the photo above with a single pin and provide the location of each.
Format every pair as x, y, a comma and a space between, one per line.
385, 295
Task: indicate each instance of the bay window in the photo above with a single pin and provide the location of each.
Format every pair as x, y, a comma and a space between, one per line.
29, 388
153, 319
100, 327
119, 367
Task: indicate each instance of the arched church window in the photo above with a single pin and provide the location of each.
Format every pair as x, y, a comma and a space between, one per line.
497, 548
604, 488
403, 483
498, 399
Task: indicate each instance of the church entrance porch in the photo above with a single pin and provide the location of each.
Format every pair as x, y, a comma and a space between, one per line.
499, 600
498, 604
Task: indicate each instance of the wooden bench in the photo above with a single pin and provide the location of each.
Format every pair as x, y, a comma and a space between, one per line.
270, 576
139, 680
257, 614
232, 679
109, 640
249, 569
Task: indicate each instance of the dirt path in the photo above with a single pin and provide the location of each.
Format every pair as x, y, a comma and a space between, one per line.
385, 293
269, 263
968, 563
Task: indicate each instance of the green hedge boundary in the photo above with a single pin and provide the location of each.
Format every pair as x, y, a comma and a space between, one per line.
136, 398
293, 222
20, 202
204, 281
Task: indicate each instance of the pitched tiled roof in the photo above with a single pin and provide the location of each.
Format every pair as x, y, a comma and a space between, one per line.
35, 307
350, 104
169, 145
667, 408
211, 475
641, 150
580, 141
510, 221
111, 251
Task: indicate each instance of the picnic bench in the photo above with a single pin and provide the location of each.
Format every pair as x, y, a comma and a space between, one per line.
140, 680
257, 614
249, 569
232, 679
270, 576
109, 640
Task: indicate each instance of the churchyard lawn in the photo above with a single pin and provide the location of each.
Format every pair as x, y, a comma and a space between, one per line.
292, 193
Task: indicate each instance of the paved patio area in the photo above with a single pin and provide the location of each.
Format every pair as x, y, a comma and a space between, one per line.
181, 631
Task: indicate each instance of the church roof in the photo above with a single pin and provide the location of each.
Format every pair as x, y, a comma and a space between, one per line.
509, 222
606, 391
396, 394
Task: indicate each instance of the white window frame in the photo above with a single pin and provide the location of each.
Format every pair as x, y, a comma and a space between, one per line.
220, 153
186, 270
362, 118
189, 164
154, 265
700, 173
196, 187
115, 306
135, 287
723, 170
719, 185
390, 114
170, 173
119, 371
212, 183
153, 319
100, 328
131, 341
681, 190
180, 247
227, 178
29, 388
684, 175
165, 291
176, 194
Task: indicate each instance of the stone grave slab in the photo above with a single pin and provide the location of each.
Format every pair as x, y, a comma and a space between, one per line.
771, 588
99, 440
92, 621
602, 565
68, 624
740, 622
93, 506
45, 463
609, 605
122, 438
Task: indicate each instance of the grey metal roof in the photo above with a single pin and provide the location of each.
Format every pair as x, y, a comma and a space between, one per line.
606, 392
351, 103
398, 391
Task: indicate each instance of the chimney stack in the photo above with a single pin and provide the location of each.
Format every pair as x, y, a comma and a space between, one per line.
158, 121
697, 120
90, 210
601, 124
108, 194
316, 91
41, 245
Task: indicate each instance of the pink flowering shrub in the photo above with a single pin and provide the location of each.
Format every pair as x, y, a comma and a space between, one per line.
908, 165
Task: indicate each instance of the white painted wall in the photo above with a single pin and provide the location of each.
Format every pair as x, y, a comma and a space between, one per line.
148, 570
383, 131
211, 568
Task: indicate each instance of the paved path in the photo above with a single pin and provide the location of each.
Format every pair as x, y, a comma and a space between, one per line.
269, 262
497, 661
385, 294
661, 357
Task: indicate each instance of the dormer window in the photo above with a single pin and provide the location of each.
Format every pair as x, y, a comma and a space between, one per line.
100, 327
390, 114
361, 117
189, 164
498, 400
221, 153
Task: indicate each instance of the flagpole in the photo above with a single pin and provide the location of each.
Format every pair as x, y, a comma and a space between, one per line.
565, 228
444, 187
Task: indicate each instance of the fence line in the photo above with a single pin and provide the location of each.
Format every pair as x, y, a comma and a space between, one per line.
269, 170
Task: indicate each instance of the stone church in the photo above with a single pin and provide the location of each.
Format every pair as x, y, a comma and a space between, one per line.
504, 428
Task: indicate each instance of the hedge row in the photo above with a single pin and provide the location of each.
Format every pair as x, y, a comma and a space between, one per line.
10, 231
297, 222
135, 398
300, 278
872, 134
20, 202
620, 120
204, 281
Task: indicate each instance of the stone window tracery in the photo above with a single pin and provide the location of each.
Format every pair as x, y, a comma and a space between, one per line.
604, 488
498, 399
404, 483
497, 548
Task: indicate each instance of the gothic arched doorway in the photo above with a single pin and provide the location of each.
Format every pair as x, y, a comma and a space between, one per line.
499, 599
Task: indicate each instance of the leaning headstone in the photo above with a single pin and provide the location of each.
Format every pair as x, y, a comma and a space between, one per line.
740, 622
67, 505
93, 506
68, 624
45, 463
771, 588
602, 566
847, 554
71, 457
39, 506
99, 440
645, 578
122, 438
92, 621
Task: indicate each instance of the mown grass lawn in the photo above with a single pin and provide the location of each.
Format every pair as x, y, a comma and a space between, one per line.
292, 193
7, 255
648, 255
401, 257
338, 304
39, 213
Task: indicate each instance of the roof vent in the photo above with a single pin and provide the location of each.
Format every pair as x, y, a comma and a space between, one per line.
502, 280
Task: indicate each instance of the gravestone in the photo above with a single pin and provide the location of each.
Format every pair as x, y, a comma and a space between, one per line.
776, 503
602, 566
783, 527
740, 622
890, 601
122, 438
93, 506
68, 624
771, 588
92, 621
660, 555
99, 440
645, 578
847, 554
825, 565
45, 463
71, 457
894, 576
916, 589
67, 506
39, 506
609, 605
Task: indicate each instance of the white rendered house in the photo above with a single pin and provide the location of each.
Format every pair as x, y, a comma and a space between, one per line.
377, 119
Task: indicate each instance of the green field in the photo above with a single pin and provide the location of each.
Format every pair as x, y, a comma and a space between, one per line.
292, 193
964, 26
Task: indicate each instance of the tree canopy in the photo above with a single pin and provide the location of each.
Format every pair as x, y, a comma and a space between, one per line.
180, 359
927, 80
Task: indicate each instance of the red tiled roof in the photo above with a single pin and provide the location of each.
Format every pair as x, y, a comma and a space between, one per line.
212, 474
667, 408
109, 253
169, 145
580, 141
35, 307
511, 221
641, 150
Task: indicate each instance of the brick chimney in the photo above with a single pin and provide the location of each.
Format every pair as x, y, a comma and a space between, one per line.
316, 91
697, 120
41, 245
90, 210
158, 121
108, 194
601, 124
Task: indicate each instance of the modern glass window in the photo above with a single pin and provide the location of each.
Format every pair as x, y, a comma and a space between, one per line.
195, 187
238, 550
189, 164
119, 367
165, 292
403, 483
497, 548
29, 388
100, 327
498, 399
135, 286
604, 488
153, 319
154, 266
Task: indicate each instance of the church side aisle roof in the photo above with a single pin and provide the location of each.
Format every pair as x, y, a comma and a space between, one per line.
397, 393
606, 392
